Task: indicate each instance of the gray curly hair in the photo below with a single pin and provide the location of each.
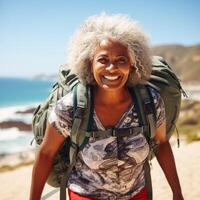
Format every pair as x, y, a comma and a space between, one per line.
122, 29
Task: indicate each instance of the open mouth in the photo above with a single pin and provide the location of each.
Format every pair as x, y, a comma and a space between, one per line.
111, 78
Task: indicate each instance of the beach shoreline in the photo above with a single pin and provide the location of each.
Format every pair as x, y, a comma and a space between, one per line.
15, 128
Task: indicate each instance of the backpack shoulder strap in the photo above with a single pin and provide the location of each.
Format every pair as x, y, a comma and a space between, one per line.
81, 113
146, 110
148, 116
78, 132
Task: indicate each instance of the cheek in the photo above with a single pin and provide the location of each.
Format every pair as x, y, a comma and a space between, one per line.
126, 71
96, 69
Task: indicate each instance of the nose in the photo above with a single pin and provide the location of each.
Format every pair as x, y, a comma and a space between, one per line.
111, 67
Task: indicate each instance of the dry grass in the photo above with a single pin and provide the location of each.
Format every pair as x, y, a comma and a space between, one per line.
188, 123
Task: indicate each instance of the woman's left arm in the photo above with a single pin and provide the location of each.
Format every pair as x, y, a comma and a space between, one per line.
166, 160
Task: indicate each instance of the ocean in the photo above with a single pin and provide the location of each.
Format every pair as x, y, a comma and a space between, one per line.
18, 94
18, 91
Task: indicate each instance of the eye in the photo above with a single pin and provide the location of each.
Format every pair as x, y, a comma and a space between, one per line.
103, 60
121, 61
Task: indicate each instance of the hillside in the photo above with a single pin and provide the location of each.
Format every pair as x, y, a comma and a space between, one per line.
185, 60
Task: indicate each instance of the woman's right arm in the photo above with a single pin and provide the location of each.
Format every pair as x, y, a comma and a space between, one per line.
43, 162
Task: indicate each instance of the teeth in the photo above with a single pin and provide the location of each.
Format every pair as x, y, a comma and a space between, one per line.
111, 77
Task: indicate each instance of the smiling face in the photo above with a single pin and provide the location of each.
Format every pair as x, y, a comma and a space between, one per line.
111, 65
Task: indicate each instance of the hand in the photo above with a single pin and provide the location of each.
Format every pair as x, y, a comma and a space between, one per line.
178, 197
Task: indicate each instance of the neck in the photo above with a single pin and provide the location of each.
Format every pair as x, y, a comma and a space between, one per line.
109, 97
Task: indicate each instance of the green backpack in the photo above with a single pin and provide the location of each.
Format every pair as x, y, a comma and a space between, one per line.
162, 79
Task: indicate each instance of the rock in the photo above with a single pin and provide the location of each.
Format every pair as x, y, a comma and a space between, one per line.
22, 126
28, 111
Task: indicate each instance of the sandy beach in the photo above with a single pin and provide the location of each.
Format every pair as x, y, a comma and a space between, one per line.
15, 184
188, 165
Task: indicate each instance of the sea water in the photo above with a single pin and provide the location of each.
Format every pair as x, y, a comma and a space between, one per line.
18, 94
18, 91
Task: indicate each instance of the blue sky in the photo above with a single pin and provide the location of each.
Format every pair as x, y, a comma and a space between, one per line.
34, 34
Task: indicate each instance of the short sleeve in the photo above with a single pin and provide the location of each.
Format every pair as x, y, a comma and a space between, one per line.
159, 107
61, 115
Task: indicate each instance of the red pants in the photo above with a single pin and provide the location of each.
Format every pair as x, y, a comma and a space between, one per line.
142, 195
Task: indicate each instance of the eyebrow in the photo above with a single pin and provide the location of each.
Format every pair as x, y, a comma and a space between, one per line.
123, 56
104, 55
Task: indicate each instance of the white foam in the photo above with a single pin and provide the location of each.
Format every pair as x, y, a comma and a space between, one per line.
11, 134
12, 140
9, 113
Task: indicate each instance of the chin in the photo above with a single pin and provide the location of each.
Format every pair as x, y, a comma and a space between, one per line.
111, 85
111, 88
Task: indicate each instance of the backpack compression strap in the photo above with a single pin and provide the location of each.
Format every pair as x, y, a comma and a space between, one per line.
67, 79
112, 132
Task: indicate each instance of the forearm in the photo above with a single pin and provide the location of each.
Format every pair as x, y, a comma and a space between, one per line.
166, 160
41, 169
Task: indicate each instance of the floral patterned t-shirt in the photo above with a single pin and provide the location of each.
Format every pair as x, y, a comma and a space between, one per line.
110, 168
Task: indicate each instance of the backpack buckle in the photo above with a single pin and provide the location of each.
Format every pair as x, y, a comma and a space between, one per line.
74, 145
93, 135
79, 112
113, 132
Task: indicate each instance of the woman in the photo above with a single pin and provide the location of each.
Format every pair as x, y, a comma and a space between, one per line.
110, 53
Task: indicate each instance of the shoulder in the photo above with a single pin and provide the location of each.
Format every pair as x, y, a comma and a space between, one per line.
64, 106
65, 101
62, 112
